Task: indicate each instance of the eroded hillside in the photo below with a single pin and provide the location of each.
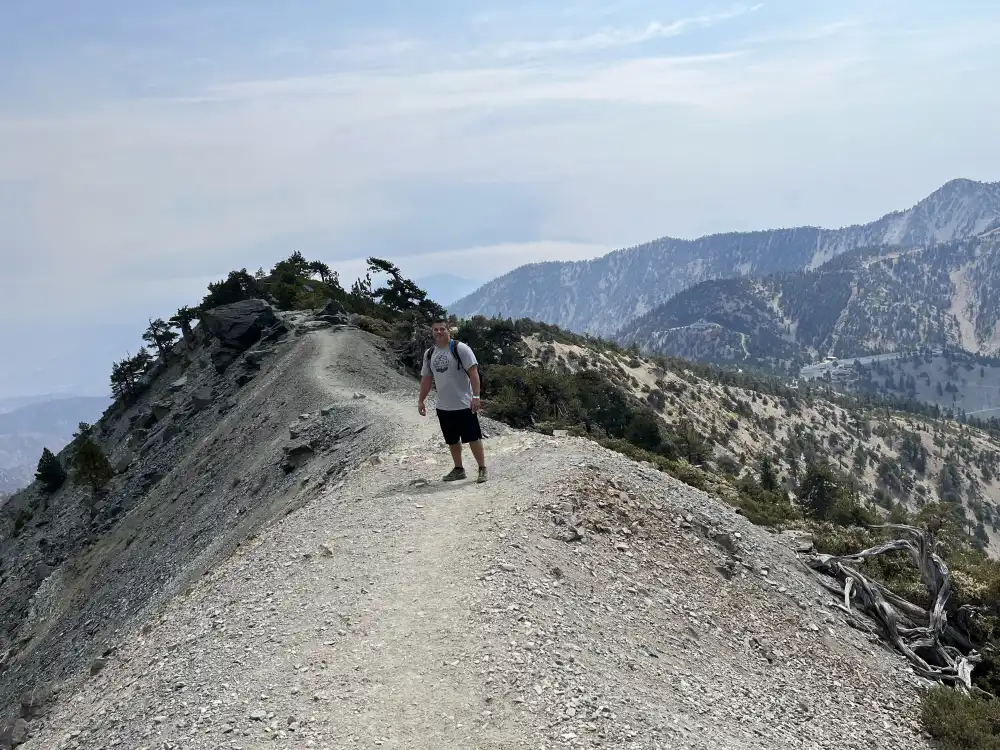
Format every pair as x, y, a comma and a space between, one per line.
577, 599
868, 301
253, 545
900, 460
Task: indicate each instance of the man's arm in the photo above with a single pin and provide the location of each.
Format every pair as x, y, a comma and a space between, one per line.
425, 387
474, 379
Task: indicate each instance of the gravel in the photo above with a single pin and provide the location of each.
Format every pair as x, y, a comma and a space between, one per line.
575, 600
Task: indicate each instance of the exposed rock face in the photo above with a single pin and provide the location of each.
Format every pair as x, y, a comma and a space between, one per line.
61, 606
296, 455
335, 313
236, 328
203, 397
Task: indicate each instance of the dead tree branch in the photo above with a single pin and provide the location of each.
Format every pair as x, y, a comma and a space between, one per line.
937, 649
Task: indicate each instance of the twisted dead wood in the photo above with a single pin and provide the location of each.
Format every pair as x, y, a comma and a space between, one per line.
937, 649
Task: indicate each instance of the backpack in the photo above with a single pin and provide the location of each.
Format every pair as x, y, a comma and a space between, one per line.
452, 347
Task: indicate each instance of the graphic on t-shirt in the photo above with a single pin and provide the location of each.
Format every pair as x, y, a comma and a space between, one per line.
442, 361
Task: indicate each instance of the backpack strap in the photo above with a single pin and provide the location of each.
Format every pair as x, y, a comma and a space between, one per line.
453, 346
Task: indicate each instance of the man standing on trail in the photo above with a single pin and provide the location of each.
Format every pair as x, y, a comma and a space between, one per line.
452, 367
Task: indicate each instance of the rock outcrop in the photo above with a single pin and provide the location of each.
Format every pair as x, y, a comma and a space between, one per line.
236, 328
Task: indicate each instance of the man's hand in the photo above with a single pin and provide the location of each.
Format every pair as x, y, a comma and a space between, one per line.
476, 404
421, 408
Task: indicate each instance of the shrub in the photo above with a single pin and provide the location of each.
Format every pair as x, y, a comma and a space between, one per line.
764, 507
374, 326
961, 722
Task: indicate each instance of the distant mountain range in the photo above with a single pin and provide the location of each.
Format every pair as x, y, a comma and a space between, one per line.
42, 422
868, 301
604, 295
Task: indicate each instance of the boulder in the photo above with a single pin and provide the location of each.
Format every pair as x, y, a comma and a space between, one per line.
147, 378
145, 420
34, 703
239, 326
203, 397
255, 357
18, 733
178, 385
274, 333
170, 432
798, 541
296, 455
137, 439
160, 409
222, 357
124, 461
42, 571
335, 313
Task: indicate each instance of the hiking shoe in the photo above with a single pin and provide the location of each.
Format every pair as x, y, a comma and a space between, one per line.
482, 475
454, 475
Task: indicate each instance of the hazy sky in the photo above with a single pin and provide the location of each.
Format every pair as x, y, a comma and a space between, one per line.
144, 152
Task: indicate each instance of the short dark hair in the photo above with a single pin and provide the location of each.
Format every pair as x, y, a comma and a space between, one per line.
439, 319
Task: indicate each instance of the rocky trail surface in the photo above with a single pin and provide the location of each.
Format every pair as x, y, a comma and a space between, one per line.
577, 599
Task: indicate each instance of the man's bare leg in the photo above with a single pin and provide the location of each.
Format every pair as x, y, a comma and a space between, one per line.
477, 450
456, 453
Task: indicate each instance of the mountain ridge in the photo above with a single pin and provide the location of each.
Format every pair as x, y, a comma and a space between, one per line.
599, 296
254, 545
866, 302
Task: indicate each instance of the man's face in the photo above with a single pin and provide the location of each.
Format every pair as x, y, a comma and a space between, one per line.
440, 333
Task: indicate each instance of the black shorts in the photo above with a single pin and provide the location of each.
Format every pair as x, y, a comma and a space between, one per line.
459, 425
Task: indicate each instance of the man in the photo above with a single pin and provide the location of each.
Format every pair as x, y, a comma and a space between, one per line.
452, 367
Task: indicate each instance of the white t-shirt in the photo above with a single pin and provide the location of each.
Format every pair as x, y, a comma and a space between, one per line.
454, 389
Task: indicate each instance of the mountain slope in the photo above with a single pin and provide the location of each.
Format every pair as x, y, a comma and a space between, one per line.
600, 296
274, 561
869, 301
426, 615
26, 430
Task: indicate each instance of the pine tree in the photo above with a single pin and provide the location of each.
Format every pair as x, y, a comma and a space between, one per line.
50, 472
321, 269
400, 294
821, 489
160, 335
768, 480
298, 261
182, 319
238, 286
91, 467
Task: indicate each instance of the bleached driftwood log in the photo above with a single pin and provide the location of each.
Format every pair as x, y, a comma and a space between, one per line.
937, 649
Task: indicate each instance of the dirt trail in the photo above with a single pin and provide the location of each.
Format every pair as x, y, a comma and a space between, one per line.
387, 614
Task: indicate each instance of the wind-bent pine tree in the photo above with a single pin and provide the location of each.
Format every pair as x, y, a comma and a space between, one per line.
161, 335
183, 319
321, 269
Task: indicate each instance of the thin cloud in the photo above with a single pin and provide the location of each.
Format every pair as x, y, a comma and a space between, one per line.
620, 37
608, 148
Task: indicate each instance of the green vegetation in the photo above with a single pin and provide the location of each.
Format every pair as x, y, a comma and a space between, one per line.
962, 722
50, 472
806, 475
91, 467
